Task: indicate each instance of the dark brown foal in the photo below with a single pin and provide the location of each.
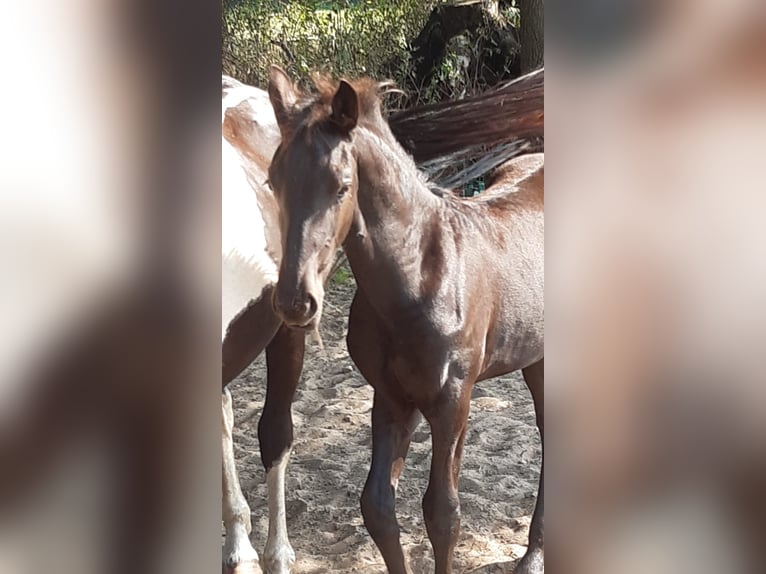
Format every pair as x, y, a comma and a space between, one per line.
450, 291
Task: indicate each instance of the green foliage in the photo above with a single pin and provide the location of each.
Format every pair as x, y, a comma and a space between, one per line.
343, 275
351, 38
355, 38
512, 13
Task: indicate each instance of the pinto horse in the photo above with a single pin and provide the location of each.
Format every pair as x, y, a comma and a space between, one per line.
449, 290
250, 257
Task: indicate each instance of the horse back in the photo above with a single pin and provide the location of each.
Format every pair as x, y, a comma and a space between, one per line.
515, 170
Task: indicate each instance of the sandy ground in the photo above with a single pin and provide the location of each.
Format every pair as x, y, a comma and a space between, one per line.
331, 456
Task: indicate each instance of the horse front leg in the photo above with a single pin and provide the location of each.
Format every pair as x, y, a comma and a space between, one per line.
533, 560
393, 422
392, 426
448, 417
284, 362
238, 553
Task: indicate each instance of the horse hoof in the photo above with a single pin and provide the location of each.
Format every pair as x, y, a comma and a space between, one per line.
280, 562
531, 563
239, 556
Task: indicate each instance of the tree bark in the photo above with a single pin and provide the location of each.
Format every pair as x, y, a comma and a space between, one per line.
531, 35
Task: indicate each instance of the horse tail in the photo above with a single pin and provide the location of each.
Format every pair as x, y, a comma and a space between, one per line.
508, 113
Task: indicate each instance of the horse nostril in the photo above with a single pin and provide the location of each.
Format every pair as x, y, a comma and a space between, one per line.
300, 306
287, 305
313, 306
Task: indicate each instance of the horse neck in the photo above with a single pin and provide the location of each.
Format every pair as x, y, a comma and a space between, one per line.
383, 245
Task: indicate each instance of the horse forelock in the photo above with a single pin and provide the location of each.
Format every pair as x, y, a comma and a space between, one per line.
313, 109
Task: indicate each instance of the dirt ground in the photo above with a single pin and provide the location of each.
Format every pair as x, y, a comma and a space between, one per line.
331, 456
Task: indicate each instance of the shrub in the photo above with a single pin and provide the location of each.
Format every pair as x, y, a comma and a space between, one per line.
344, 38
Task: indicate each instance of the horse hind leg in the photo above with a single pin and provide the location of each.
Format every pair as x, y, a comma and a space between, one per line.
284, 362
533, 561
238, 552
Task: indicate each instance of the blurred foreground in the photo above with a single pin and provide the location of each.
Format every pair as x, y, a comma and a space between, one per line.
656, 277
109, 228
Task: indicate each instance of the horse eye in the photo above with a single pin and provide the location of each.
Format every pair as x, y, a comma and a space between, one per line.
343, 191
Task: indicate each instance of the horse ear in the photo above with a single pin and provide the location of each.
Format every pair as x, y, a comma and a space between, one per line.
282, 95
345, 107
